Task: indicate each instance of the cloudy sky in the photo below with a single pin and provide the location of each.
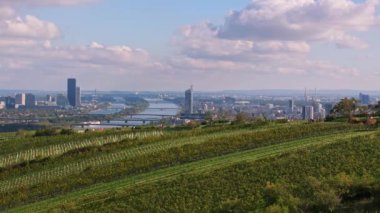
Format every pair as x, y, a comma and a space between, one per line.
171, 44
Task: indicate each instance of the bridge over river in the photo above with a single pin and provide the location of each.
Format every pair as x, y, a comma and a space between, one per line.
123, 122
158, 109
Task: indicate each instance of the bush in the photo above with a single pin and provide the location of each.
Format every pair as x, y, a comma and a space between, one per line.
67, 132
45, 132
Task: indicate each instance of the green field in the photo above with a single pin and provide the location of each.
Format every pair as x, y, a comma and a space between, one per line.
198, 170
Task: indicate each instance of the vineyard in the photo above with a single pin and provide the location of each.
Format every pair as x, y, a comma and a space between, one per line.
191, 170
59, 149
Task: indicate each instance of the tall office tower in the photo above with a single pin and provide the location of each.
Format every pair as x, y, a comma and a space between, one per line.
364, 99
71, 91
291, 105
20, 99
77, 97
30, 100
189, 101
308, 113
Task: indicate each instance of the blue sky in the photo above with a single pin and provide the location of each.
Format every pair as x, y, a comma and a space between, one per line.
168, 45
137, 23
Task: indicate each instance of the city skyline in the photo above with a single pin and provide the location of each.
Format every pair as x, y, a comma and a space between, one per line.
239, 45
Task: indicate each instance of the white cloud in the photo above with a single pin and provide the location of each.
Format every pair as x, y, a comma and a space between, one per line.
275, 37
305, 20
28, 27
201, 41
28, 49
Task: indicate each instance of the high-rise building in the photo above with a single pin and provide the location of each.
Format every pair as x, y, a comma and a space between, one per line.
61, 100
322, 114
291, 105
20, 99
308, 113
364, 99
189, 101
77, 97
30, 100
49, 98
71, 91
317, 107
10, 103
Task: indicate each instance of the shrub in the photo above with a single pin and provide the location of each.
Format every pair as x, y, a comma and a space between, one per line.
67, 132
45, 132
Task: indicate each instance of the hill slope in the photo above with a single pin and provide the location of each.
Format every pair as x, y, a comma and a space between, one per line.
284, 167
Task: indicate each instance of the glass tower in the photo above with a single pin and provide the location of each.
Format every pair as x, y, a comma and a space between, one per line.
71, 91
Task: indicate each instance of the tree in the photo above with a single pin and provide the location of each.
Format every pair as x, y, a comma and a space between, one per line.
241, 117
209, 117
346, 107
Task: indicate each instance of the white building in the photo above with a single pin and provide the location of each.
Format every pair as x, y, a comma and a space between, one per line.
2, 105
308, 113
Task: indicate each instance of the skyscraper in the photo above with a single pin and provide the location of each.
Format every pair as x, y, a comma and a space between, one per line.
20, 99
77, 97
71, 91
291, 105
189, 101
30, 100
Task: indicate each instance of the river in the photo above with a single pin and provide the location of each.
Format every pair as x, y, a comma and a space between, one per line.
156, 110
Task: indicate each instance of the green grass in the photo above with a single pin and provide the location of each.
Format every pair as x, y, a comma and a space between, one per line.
101, 191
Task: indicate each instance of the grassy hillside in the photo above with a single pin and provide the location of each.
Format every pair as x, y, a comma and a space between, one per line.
235, 167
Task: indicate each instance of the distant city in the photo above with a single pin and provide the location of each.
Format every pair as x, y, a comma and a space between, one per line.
77, 108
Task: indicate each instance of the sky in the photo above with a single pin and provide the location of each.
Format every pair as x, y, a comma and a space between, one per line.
161, 45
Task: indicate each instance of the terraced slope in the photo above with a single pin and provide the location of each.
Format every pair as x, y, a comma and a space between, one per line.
59, 149
103, 191
109, 158
237, 139
83, 171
